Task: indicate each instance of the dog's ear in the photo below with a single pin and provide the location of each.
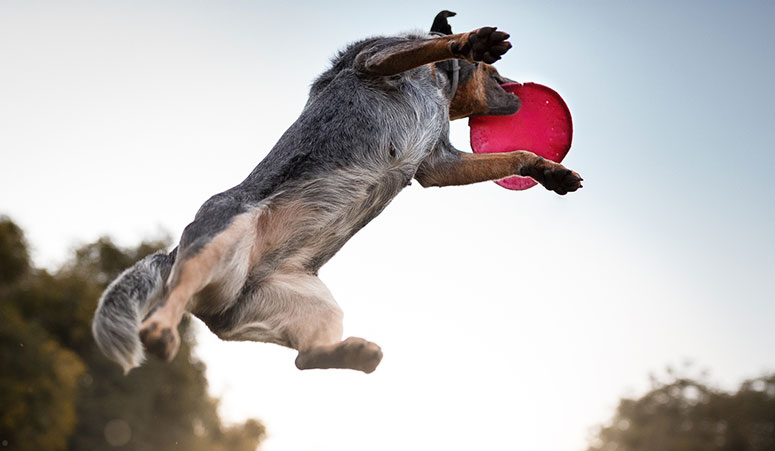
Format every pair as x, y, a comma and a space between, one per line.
440, 24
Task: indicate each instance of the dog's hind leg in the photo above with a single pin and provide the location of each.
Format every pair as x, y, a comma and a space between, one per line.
295, 309
223, 261
353, 353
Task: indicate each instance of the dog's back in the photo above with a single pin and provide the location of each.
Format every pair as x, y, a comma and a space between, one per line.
356, 144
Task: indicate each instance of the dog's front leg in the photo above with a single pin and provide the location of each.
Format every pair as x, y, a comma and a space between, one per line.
460, 168
485, 44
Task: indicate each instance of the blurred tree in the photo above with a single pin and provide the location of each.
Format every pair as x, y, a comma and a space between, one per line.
38, 386
14, 259
59, 392
682, 414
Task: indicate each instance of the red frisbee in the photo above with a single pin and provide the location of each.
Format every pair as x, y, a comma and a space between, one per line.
542, 125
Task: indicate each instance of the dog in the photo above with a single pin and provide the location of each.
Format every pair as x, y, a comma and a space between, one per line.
376, 119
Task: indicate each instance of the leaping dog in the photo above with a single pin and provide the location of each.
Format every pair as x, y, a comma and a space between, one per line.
247, 265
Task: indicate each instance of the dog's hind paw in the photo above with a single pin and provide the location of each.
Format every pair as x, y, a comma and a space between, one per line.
160, 340
553, 176
485, 44
353, 353
360, 354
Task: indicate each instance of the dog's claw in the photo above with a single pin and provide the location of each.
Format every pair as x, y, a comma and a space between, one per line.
553, 176
484, 31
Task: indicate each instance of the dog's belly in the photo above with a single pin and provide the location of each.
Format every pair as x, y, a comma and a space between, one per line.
305, 226
307, 222
299, 230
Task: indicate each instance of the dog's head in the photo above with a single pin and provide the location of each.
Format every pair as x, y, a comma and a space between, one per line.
479, 91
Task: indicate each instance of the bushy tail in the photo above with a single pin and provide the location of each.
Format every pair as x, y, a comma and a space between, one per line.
123, 306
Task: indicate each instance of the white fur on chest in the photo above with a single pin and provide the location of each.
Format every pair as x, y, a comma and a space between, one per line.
417, 118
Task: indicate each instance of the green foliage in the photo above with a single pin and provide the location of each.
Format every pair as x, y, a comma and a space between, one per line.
14, 259
38, 385
682, 414
59, 392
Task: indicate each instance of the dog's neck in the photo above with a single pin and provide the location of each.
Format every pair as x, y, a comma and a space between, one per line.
454, 75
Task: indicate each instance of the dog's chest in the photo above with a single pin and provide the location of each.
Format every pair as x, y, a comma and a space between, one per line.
418, 117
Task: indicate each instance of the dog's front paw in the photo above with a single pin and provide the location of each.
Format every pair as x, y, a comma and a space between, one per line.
485, 44
553, 176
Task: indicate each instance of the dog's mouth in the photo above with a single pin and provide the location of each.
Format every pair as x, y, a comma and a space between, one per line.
517, 103
501, 100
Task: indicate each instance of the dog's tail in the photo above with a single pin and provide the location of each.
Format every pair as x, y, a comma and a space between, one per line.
125, 303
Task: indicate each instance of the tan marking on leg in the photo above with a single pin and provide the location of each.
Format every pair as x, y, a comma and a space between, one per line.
217, 260
403, 56
408, 55
468, 168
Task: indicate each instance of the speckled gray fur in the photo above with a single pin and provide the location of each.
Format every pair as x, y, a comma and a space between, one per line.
358, 142
350, 121
124, 303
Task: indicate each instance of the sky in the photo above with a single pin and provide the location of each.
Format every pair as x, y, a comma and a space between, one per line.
509, 320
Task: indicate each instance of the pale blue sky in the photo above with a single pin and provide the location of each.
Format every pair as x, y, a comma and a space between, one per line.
492, 306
